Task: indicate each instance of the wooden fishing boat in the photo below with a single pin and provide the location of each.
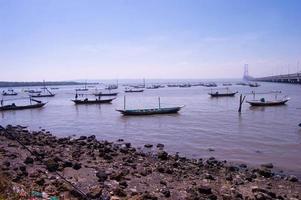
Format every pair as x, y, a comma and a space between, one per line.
9, 93
219, 94
262, 102
254, 85
96, 101
132, 90
46, 93
39, 95
151, 111
13, 106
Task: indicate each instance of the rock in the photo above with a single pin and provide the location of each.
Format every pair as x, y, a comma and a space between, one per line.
292, 178
82, 138
119, 192
204, 190
94, 192
101, 175
123, 184
40, 181
28, 160
148, 145
160, 146
268, 165
51, 165
209, 177
166, 193
162, 155
67, 164
264, 172
243, 166
22, 168
77, 166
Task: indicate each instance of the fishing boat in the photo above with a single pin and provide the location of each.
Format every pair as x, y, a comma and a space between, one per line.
13, 106
149, 111
227, 84
46, 93
33, 91
9, 93
221, 94
254, 85
210, 84
263, 102
131, 90
95, 101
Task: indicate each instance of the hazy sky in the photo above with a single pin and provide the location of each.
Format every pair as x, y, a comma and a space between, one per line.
104, 39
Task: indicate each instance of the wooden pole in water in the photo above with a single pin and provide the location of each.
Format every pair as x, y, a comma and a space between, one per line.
241, 101
124, 99
159, 102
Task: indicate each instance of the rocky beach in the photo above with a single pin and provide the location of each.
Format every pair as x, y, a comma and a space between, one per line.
48, 167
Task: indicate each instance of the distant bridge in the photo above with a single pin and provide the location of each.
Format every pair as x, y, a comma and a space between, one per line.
294, 78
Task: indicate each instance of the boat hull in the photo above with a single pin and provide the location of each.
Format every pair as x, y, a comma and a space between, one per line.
268, 103
133, 91
154, 111
223, 94
42, 95
93, 101
10, 107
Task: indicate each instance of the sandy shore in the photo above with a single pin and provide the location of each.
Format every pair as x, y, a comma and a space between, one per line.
106, 170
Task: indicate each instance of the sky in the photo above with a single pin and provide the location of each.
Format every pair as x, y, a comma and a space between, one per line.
162, 39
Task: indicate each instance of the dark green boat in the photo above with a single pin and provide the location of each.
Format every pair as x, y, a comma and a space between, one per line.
151, 111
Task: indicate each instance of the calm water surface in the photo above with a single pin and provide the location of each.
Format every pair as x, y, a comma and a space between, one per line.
258, 135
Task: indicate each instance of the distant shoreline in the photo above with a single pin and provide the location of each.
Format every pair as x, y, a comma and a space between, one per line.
30, 84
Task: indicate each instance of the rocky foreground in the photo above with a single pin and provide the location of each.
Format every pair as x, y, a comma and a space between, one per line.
105, 170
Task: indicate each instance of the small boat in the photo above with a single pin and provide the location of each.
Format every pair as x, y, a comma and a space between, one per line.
263, 102
96, 101
254, 85
153, 87
40, 95
106, 94
131, 90
9, 93
219, 94
227, 84
54, 88
112, 87
13, 106
33, 91
46, 93
150, 111
185, 85
300, 125
210, 85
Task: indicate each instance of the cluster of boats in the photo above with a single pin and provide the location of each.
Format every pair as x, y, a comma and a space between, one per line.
83, 98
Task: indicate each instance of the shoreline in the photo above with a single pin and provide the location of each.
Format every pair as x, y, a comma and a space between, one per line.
116, 170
